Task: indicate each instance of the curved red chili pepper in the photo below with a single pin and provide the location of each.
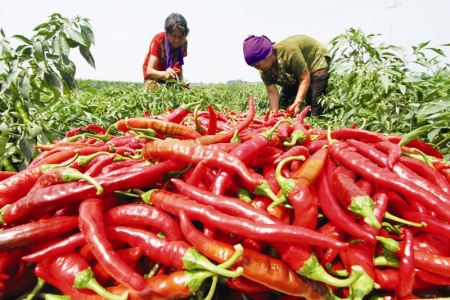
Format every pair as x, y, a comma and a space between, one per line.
225, 136
174, 203
178, 254
418, 144
399, 207
161, 126
65, 154
433, 243
404, 289
142, 214
258, 267
56, 248
400, 169
73, 131
91, 225
352, 197
393, 150
35, 232
55, 197
212, 124
366, 168
6, 174
333, 211
178, 114
427, 172
193, 153
95, 127
245, 152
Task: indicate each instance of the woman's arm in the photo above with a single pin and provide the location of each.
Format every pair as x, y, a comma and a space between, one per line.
274, 96
304, 81
153, 73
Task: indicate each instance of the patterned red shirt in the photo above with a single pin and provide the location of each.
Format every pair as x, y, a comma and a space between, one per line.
157, 49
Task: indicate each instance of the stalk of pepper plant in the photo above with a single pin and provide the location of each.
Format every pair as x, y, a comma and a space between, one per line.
193, 153
91, 225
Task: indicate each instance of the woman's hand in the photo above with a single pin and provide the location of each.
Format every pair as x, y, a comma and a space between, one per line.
294, 108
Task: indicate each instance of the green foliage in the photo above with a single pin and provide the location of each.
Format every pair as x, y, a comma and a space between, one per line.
381, 87
34, 75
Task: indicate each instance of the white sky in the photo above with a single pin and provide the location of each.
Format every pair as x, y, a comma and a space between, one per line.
123, 29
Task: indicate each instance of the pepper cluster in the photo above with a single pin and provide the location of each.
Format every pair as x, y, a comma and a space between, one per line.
225, 205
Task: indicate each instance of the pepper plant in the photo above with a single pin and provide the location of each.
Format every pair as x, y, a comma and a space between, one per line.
33, 76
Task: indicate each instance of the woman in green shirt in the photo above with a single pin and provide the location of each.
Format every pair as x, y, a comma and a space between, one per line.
299, 64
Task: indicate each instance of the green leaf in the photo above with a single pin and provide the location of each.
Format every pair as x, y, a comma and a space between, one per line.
64, 45
87, 55
76, 36
25, 87
87, 34
386, 82
402, 88
23, 39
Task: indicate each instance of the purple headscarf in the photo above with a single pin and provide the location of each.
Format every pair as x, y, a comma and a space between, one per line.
168, 48
257, 48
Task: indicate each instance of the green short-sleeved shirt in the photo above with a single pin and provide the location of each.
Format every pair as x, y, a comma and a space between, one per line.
294, 55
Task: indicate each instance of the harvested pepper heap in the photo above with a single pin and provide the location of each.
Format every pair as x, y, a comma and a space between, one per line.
209, 205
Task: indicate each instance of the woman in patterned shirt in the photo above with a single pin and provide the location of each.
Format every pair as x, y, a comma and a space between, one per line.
164, 59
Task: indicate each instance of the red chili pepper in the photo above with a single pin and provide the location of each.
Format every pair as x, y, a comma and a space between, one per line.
15, 287
178, 114
95, 167
35, 232
341, 134
6, 174
433, 243
62, 175
293, 151
72, 270
427, 172
366, 168
73, 131
300, 135
245, 152
193, 153
95, 127
393, 150
333, 211
429, 277
415, 143
246, 285
400, 169
258, 267
179, 284
127, 255
225, 136
404, 289
56, 248
55, 197
62, 155
212, 124
178, 254
174, 203
91, 225
352, 197
400, 208
61, 144
142, 214
161, 126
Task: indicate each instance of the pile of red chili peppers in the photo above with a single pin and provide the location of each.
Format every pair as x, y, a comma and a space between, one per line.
198, 204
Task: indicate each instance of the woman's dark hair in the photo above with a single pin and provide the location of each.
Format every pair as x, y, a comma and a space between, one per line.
175, 20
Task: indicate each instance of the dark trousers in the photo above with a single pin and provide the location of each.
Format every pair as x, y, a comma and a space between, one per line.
317, 87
